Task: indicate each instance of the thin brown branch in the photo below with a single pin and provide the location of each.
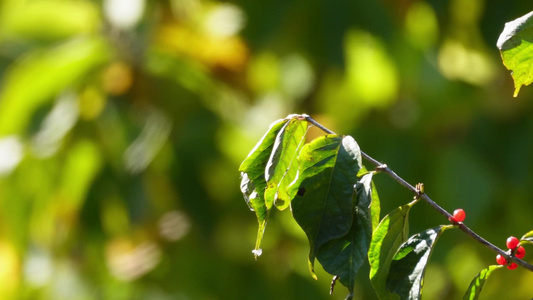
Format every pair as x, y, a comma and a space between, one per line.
385, 169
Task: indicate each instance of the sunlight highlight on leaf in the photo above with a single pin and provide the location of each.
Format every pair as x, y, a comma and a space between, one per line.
474, 290
528, 237
282, 165
516, 48
406, 274
253, 183
11, 153
391, 232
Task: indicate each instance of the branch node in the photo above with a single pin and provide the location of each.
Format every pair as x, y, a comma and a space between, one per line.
419, 190
381, 168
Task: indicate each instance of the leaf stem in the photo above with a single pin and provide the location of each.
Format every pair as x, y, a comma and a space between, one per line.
385, 169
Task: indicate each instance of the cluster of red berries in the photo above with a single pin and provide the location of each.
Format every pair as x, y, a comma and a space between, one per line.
512, 242
516, 250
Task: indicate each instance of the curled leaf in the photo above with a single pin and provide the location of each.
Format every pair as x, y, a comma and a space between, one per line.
253, 183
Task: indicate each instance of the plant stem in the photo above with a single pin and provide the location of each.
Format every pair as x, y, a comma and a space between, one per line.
385, 169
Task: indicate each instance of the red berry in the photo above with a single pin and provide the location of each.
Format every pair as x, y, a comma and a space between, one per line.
520, 252
512, 242
501, 260
512, 266
458, 215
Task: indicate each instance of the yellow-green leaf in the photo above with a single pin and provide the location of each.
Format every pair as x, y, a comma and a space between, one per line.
253, 183
516, 48
41, 75
391, 232
527, 238
48, 19
474, 290
282, 164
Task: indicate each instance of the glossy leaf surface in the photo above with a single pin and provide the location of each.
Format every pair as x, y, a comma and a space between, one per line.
407, 269
324, 190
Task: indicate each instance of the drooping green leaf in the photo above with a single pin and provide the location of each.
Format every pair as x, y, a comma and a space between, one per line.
253, 183
324, 190
516, 48
528, 238
282, 165
474, 290
406, 273
343, 257
42, 75
391, 232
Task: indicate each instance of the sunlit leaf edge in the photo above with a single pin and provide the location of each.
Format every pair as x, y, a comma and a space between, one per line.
476, 285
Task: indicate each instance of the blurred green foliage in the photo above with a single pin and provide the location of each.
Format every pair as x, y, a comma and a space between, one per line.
122, 125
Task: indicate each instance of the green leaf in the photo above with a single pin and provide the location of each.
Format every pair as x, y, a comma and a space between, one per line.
516, 48
477, 283
407, 269
391, 232
324, 190
375, 208
343, 257
42, 75
253, 183
282, 165
82, 163
528, 237
62, 18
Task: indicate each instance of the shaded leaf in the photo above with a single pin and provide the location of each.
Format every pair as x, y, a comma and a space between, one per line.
391, 232
324, 190
343, 257
407, 269
42, 75
282, 165
474, 290
528, 237
253, 183
516, 48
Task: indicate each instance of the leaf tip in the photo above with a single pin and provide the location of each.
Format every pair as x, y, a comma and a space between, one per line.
312, 269
257, 252
516, 90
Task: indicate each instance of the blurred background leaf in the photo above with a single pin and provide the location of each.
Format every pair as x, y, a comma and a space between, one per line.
123, 123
